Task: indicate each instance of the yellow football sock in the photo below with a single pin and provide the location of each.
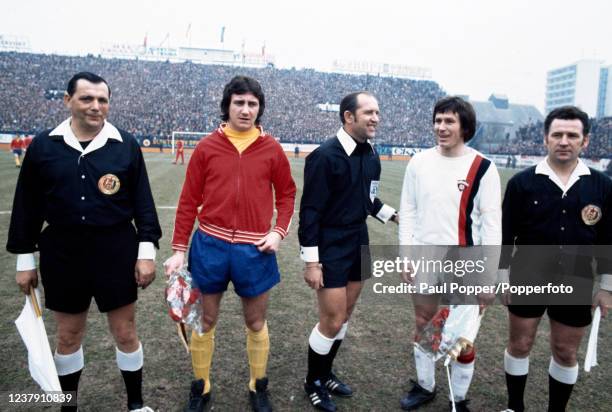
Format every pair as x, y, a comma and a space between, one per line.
258, 348
202, 348
17, 161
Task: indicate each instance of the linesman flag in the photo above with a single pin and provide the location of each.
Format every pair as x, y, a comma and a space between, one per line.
32, 330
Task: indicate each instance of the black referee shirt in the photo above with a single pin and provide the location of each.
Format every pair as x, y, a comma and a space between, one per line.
536, 211
63, 186
340, 189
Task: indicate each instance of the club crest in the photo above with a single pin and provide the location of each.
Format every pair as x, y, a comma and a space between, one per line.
462, 184
109, 184
591, 214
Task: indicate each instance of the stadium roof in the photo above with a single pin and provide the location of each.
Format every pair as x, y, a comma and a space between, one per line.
499, 110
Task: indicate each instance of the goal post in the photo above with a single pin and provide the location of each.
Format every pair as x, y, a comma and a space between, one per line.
190, 138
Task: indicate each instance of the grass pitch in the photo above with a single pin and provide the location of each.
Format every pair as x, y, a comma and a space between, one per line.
376, 357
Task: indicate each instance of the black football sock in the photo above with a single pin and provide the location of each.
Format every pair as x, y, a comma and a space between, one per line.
70, 383
133, 387
319, 347
516, 390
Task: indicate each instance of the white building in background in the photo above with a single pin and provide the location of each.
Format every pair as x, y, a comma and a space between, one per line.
586, 84
604, 103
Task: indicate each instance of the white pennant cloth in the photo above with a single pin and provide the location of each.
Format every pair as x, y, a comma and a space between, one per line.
32, 330
591, 354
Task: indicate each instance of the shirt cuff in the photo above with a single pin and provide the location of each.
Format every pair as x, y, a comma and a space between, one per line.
309, 253
605, 282
282, 232
146, 250
180, 248
385, 213
26, 261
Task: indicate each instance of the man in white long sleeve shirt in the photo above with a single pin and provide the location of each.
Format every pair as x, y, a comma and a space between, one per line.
450, 197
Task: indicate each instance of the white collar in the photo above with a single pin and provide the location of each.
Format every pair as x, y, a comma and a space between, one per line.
543, 168
348, 143
108, 132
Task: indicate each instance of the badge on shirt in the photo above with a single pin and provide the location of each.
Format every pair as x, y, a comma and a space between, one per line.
109, 184
591, 214
374, 189
462, 184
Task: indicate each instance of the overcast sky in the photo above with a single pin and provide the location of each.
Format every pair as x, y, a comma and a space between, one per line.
473, 47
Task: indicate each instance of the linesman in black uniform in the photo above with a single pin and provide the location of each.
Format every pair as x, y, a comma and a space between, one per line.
87, 180
341, 179
558, 202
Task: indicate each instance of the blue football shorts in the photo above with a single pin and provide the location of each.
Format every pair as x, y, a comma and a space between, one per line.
213, 263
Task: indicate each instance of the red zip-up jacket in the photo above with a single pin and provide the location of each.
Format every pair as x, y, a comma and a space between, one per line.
233, 191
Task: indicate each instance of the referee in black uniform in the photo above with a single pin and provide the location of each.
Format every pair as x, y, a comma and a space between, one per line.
341, 179
87, 180
559, 202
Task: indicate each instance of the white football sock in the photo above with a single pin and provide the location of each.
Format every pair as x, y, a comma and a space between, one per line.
515, 366
71, 363
563, 374
425, 367
461, 377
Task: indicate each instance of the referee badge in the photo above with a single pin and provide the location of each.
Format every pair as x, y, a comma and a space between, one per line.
109, 184
591, 214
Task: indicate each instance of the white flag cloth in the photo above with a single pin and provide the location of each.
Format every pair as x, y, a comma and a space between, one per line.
463, 322
590, 359
40, 360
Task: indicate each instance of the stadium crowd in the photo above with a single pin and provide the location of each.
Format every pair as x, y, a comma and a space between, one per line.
529, 140
153, 99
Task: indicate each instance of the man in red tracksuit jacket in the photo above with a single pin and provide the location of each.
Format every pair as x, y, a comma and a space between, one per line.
235, 178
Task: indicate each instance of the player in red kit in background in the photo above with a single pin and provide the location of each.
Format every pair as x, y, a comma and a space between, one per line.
180, 151
17, 147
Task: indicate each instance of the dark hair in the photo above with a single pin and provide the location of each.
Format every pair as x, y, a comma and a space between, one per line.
465, 111
242, 85
567, 113
90, 77
349, 103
